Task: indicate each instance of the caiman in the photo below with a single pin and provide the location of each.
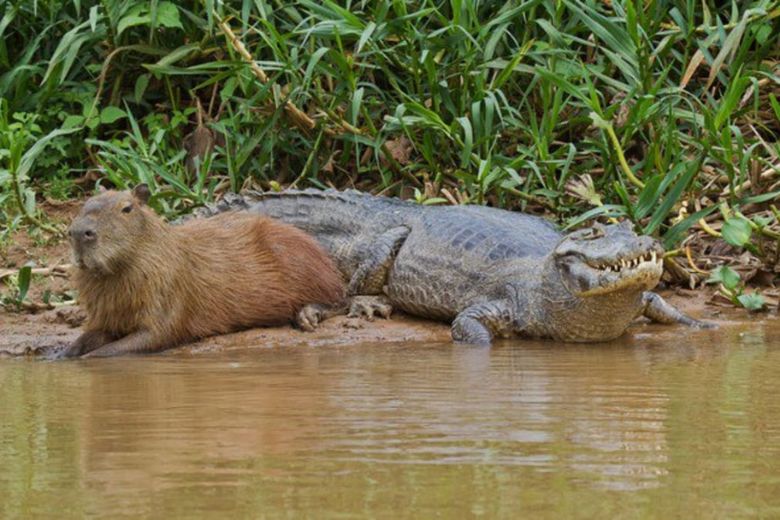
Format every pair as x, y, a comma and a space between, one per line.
491, 272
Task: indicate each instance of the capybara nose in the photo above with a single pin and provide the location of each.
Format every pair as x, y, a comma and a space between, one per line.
83, 234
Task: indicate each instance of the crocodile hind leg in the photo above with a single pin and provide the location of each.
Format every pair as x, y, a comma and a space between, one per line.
479, 323
311, 315
657, 309
371, 275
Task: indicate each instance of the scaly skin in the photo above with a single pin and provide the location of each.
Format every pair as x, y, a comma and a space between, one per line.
493, 273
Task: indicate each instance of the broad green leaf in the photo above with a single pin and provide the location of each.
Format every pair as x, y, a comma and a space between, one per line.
736, 231
133, 18
23, 279
73, 121
168, 15
751, 301
762, 33
725, 275
111, 114
599, 122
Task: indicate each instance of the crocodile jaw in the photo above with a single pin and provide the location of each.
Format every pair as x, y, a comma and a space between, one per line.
585, 278
607, 259
642, 272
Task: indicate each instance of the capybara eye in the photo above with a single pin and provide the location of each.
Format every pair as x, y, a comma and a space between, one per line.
127, 209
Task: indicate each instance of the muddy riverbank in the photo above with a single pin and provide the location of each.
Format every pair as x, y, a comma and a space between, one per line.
44, 333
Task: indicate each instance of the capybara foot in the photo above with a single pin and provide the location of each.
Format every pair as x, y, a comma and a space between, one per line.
310, 316
71, 351
370, 306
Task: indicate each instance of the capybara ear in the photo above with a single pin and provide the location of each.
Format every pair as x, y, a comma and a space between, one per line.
101, 188
142, 193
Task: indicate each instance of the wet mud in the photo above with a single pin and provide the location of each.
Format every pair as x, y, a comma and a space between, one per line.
46, 333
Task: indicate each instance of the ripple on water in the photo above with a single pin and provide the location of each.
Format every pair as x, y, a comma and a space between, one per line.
653, 425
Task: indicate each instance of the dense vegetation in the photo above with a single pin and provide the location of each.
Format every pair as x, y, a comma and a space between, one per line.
665, 112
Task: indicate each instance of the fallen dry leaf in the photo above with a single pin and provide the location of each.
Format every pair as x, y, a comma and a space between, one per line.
400, 149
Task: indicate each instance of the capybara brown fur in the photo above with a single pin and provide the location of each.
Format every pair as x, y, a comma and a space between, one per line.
147, 285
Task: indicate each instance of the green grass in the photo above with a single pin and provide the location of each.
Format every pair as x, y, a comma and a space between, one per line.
663, 112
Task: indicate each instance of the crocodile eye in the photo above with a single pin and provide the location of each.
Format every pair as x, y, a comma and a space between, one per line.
127, 209
590, 234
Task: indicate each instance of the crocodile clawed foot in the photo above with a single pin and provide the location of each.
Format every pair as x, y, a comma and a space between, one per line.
370, 306
702, 325
470, 332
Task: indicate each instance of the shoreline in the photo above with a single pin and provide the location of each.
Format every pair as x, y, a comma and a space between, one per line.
41, 334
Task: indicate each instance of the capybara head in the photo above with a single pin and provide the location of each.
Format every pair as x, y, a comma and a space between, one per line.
109, 228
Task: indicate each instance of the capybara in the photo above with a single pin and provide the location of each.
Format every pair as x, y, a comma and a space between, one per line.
147, 285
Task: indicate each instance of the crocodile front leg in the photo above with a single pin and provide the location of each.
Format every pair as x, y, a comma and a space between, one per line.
371, 275
479, 323
659, 310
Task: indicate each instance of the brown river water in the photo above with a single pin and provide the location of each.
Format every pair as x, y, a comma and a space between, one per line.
665, 423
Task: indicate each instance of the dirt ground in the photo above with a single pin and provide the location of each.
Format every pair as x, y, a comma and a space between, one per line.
44, 333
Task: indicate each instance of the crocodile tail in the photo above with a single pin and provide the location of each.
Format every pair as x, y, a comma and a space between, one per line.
318, 211
312, 210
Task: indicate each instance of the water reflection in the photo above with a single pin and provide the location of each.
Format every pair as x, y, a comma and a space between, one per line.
662, 422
